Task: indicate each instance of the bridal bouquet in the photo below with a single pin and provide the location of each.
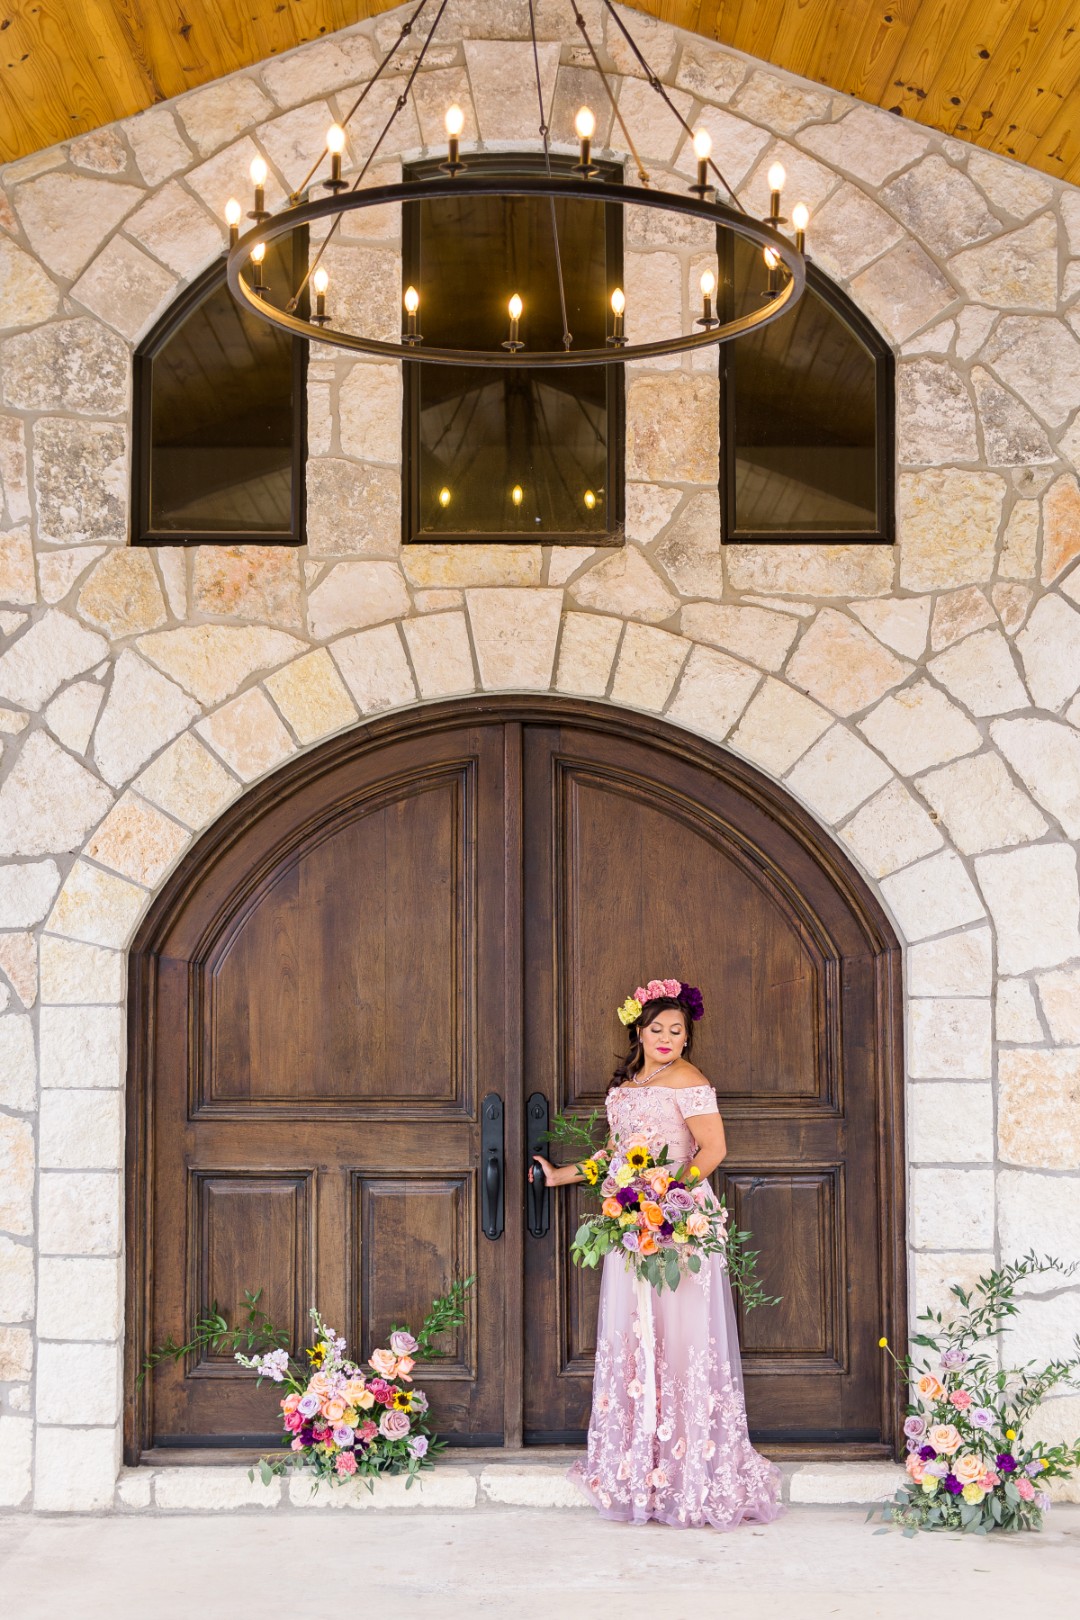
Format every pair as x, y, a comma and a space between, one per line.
969, 1464
341, 1419
661, 1217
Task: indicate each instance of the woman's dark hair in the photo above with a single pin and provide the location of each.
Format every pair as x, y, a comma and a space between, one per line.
632, 1063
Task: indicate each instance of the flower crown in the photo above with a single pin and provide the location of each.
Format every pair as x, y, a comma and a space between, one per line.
656, 990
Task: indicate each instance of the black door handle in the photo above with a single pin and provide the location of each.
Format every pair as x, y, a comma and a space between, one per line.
491, 1164
536, 1116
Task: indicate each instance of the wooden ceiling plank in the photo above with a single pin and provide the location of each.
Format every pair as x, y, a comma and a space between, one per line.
1012, 61
61, 74
864, 64
748, 27
806, 33
1031, 98
929, 37
956, 77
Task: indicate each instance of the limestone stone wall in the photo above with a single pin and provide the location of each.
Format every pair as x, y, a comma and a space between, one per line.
920, 700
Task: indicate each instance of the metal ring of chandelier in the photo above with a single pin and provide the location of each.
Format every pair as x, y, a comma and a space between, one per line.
759, 232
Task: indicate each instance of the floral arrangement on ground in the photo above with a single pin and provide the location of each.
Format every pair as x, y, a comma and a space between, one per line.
969, 1465
662, 1217
341, 1420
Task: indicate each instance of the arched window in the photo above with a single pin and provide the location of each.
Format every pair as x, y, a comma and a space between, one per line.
806, 416
220, 419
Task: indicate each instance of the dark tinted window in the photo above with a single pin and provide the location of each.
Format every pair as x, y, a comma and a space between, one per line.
806, 428
511, 453
221, 417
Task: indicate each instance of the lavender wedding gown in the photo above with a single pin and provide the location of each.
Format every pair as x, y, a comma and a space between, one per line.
667, 1435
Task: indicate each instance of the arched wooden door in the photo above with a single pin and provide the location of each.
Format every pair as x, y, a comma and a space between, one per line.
446, 907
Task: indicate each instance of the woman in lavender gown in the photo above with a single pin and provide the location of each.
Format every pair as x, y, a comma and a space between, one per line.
667, 1436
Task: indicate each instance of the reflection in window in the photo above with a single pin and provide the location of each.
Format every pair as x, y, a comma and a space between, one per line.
806, 429
220, 408
511, 454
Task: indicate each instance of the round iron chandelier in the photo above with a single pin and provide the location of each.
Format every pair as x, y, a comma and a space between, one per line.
784, 258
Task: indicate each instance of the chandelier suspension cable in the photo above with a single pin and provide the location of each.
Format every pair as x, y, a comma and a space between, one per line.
657, 84
399, 104
567, 336
403, 33
642, 171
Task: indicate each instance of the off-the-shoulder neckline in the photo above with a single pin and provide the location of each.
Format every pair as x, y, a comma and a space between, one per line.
704, 1086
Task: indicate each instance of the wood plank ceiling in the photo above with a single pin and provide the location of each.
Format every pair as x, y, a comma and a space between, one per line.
1004, 74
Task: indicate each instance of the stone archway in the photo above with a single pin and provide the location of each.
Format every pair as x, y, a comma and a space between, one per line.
819, 1120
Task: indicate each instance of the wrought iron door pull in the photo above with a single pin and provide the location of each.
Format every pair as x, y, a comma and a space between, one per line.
536, 1116
491, 1164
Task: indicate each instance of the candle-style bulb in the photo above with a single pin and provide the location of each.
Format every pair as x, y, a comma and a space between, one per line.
258, 253
708, 284
617, 340
444, 497
412, 304
585, 124
517, 494
777, 177
232, 212
412, 300
258, 171
455, 121
618, 301
772, 259
320, 281
590, 500
702, 145
335, 140
515, 307
800, 216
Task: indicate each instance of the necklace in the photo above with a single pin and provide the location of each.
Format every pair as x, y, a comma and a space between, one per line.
655, 1072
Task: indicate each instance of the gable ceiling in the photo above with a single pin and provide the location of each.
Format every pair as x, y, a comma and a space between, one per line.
1004, 74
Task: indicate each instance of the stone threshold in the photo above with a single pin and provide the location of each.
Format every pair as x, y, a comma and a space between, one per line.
482, 1481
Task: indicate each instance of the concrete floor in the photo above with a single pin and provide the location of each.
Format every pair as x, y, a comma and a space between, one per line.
813, 1562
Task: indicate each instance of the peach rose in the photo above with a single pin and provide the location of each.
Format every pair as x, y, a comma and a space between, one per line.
612, 1208
319, 1384
384, 1363
659, 1181
944, 1437
352, 1391
334, 1410
929, 1388
967, 1467
290, 1403
404, 1367
698, 1224
364, 1400
648, 1244
914, 1466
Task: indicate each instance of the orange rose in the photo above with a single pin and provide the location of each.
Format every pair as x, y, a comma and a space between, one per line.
404, 1368
659, 1181
929, 1388
611, 1207
944, 1437
652, 1213
647, 1244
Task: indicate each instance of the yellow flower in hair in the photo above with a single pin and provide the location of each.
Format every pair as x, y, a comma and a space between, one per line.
630, 1011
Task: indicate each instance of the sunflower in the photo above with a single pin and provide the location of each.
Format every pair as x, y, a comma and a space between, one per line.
638, 1158
318, 1354
591, 1171
400, 1400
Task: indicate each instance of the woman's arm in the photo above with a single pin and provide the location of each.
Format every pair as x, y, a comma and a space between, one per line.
564, 1175
708, 1133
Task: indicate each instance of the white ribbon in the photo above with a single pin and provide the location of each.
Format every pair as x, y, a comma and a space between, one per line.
644, 1293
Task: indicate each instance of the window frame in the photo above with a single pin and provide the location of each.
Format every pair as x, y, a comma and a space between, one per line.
613, 535
211, 279
884, 534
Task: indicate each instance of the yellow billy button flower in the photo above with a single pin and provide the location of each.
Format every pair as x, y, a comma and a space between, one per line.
1010, 1434
693, 1173
883, 1344
627, 1220
630, 1011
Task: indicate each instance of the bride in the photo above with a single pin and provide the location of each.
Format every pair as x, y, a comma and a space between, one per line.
667, 1435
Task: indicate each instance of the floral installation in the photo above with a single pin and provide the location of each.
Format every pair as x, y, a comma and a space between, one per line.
969, 1466
341, 1420
662, 1218
659, 990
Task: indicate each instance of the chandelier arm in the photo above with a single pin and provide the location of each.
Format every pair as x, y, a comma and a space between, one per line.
403, 33
643, 173
401, 102
657, 84
759, 232
566, 334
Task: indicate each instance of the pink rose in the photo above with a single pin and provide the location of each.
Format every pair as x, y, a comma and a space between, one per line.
384, 1362
960, 1399
293, 1421
989, 1479
367, 1431
290, 1403
394, 1425
297, 1444
1026, 1490
403, 1344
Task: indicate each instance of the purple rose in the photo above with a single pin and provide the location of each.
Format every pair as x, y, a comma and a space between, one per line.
308, 1405
418, 1444
911, 1445
402, 1343
678, 1202
981, 1417
914, 1426
1006, 1462
927, 1453
418, 1401
630, 1241
609, 1187
953, 1485
394, 1425
343, 1435
951, 1359
936, 1469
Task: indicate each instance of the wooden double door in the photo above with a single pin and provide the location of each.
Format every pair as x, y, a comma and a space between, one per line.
360, 994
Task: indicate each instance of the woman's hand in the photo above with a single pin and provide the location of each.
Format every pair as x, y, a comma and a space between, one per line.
553, 1176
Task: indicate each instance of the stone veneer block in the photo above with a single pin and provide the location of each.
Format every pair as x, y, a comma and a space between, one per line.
846, 1482
949, 1039
842, 665
1039, 1108
713, 692
1049, 645
125, 287
354, 595
76, 974
137, 841
1061, 531
586, 653
441, 655
759, 635
369, 413
691, 553
248, 735
1034, 901
514, 636
16, 1448
66, 217
18, 960
212, 660
144, 711
649, 663
624, 583
16, 1281
212, 1489
75, 1469
353, 509
935, 415
453, 566
450, 1487
248, 582
959, 965
16, 1176
50, 653
980, 672
49, 801
902, 290
96, 907
78, 1383
952, 1208
311, 696
503, 81
27, 293
981, 805
80, 1212
672, 427
375, 669
1039, 358
837, 774
80, 481
17, 582
932, 897
81, 1130
1059, 995
72, 713
316, 69
26, 892
891, 831
218, 111
188, 782
810, 571
563, 562
1016, 1016
1040, 1212
919, 727
934, 1273
18, 1065
82, 1047
778, 727
947, 523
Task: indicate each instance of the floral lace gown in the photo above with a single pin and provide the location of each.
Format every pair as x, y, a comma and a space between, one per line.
667, 1435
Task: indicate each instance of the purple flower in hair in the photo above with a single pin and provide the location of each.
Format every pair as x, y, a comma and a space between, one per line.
691, 998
